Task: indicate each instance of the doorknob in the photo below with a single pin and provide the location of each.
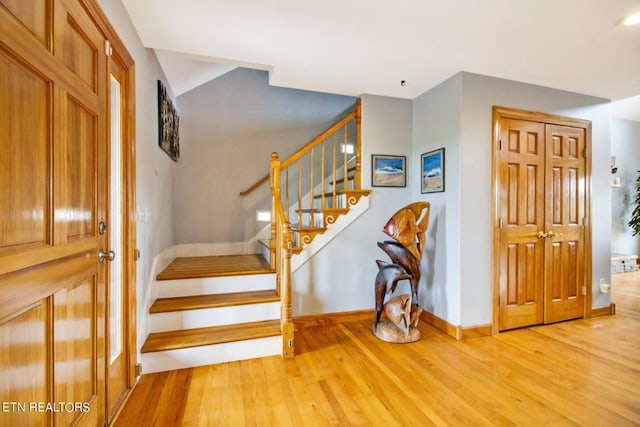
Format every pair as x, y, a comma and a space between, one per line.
542, 234
108, 255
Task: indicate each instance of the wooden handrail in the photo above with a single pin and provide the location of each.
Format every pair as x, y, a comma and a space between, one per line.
354, 114
254, 186
318, 139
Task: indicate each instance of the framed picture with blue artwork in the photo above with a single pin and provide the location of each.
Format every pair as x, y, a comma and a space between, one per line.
388, 171
432, 171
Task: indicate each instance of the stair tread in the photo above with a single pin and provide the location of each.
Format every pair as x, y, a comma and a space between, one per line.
308, 229
342, 192
341, 180
329, 194
195, 302
215, 266
186, 338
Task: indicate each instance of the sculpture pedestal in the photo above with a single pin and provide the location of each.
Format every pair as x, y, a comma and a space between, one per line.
389, 332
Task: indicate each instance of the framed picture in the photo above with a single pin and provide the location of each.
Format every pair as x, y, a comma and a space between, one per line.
388, 171
432, 173
168, 124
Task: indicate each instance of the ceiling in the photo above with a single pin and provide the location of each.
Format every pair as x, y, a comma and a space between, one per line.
355, 47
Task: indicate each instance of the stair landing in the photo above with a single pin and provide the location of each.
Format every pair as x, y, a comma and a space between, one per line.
215, 266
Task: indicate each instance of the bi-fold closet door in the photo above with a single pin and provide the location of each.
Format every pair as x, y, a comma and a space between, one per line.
541, 176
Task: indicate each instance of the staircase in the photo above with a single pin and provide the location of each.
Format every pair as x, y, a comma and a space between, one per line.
212, 310
223, 308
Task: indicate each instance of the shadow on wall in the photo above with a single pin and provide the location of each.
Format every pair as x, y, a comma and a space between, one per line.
434, 293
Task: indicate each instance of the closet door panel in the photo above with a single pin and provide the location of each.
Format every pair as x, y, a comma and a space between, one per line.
521, 208
565, 224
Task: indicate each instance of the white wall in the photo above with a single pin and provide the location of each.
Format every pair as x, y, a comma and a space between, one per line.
341, 276
625, 145
228, 129
154, 169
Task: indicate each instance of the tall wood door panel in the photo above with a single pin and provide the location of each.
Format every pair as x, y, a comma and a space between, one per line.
522, 217
53, 154
118, 345
565, 284
541, 203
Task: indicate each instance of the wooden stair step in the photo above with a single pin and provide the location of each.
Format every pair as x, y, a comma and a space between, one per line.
186, 338
304, 229
329, 195
215, 266
197, 302
341, 180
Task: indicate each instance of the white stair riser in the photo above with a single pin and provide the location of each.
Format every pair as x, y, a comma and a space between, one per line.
190, 319
214, 285
210, 354
265, 252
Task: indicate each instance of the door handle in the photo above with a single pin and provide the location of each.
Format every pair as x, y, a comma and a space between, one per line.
551, 234
108, 255
542, 234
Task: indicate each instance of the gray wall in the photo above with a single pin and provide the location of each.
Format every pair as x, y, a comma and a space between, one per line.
457, 115
480, 93
226, 146
341, 276
625, 145
228, 129
154, 169
460, 290
436, 124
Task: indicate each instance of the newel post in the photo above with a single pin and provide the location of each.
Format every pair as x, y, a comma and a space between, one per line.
286, 319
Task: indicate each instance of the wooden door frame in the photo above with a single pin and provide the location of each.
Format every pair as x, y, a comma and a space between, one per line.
120, 54
533, 116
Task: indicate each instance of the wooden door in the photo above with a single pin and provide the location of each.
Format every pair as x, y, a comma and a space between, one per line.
53, 158
541, 198
118, 344
522, 217
565, 284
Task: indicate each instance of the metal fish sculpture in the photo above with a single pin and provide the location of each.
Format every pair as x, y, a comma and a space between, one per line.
408, 227
386, 282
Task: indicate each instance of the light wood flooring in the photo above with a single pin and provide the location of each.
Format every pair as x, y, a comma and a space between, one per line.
583, 372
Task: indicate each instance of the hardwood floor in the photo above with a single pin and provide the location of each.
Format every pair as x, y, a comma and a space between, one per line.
583, 372
625, 292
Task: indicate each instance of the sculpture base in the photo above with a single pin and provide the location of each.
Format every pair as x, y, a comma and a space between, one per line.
389, 332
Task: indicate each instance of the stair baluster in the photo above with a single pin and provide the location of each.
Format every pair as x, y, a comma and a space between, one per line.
309, 188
